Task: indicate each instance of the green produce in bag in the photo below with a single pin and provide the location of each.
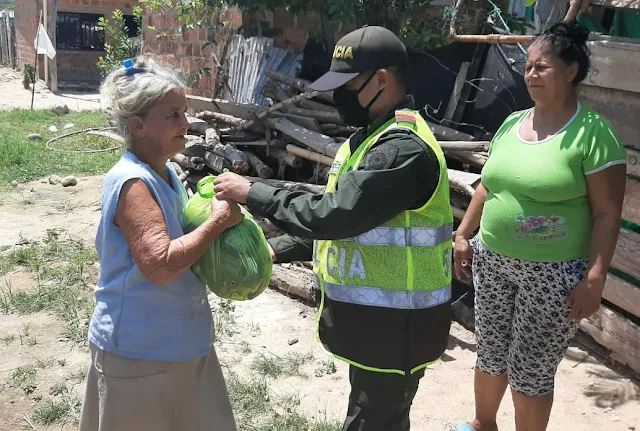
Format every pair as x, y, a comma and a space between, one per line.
237, 265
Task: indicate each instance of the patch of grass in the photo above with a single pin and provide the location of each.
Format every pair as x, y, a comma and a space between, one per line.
25, 160
58, 389
64, 408
45, 363
62, 362
245, 348
248, 397
8, 339
224, 319
326, 367
295, 421
24, 378
53, 411
275, 366
60, 266
78, 376
268, 366
67, 206
289, 402
256, 410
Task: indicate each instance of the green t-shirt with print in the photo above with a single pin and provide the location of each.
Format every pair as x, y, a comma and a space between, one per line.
537, 207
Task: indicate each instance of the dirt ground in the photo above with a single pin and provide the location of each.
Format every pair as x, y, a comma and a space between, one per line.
14, 95
590, 396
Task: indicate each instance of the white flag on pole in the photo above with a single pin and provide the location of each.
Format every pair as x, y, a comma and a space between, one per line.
43, 44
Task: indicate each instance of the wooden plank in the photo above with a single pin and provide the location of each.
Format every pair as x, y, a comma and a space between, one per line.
53, 65
627, 4
315, 140
619, 335
627, 254
443, 133
614, 65
306, 122
457, 91
631, 206
240, 110
618, 106
624, 295
293, 280
473, 146
468, 178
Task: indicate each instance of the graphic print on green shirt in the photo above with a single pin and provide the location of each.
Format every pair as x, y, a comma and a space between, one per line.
537, 206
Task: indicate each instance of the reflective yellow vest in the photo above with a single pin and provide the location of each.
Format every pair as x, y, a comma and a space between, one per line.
404, 264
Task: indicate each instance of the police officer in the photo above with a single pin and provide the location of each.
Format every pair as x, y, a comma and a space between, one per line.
382, 231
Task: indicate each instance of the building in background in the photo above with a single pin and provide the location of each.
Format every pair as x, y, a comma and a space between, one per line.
78, 39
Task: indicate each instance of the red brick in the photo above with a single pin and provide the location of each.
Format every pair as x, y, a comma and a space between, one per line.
282, 19
236, 19
188, 36
180, 49
197, 50
189, 50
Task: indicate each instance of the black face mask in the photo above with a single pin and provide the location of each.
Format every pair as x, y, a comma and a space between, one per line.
349, 107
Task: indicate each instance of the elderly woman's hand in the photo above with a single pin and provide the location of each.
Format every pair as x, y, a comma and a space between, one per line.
226, 213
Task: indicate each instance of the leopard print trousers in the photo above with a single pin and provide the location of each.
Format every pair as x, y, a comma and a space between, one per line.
522, 325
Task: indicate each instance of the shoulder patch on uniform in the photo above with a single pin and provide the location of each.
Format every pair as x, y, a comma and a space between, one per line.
406, 117
380, 157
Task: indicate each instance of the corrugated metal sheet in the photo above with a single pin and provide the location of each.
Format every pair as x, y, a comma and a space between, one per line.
247, 61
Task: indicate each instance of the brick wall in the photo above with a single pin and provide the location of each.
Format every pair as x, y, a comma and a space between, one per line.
27, 13
71, 65
78, 66
191, 51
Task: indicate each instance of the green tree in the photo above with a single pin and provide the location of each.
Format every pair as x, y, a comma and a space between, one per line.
118, 46
410, 19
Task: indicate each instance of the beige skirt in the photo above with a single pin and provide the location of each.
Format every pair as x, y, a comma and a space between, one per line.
136, 395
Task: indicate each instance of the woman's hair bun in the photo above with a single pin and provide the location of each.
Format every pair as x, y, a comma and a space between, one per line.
568, 41
572, 30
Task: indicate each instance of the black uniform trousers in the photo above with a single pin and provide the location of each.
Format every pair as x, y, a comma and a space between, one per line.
380, 401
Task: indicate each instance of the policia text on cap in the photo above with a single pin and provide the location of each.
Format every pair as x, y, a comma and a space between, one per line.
381, 231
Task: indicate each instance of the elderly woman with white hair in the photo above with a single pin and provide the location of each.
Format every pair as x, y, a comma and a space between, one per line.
153, 364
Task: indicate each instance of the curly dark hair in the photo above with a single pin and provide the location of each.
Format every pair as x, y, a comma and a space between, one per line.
568, 42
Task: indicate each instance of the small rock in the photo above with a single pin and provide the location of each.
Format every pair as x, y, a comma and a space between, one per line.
53, 129
69, 126
44, 181
615, 419
14, 183
293, 341
60, 109
54, 179
34, 137
608, 410
632, 427
69, 181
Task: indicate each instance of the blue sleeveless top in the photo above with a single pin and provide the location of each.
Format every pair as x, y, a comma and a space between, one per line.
134, 317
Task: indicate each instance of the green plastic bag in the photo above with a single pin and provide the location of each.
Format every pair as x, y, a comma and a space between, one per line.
237, 264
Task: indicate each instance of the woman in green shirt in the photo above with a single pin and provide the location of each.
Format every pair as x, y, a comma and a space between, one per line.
548, 209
